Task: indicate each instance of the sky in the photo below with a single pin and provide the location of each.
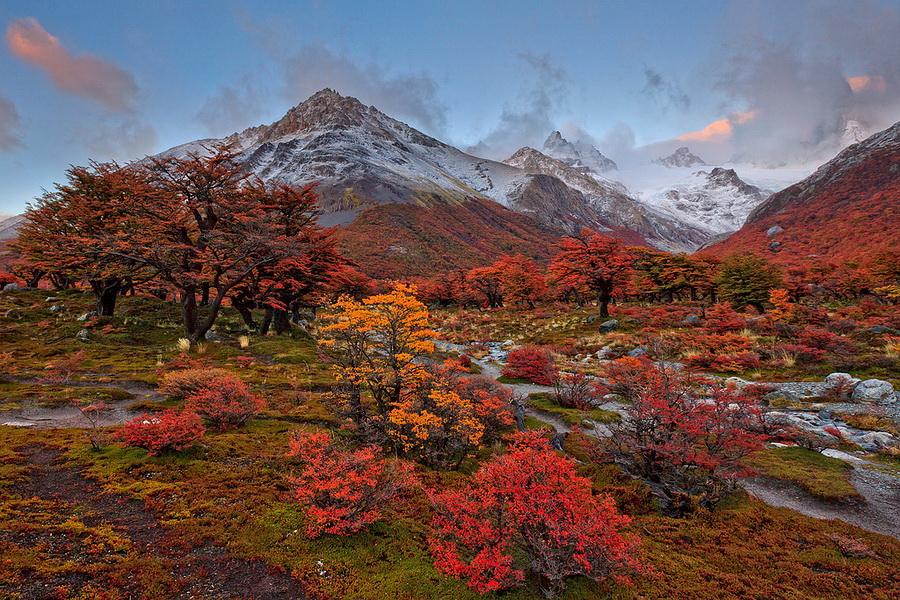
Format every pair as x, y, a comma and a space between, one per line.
770, 82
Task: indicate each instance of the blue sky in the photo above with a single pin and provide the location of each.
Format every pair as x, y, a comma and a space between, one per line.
121, 79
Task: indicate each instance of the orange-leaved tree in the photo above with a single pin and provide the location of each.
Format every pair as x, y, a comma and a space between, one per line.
528, 512
591, 261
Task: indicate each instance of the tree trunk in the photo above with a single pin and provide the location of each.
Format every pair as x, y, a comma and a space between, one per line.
281, 321
106, 291
245, 309
603, 298
267, 321
190, 317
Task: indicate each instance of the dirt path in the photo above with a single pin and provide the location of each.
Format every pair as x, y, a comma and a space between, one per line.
207, 573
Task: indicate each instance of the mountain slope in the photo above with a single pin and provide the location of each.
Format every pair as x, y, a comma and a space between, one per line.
849, 209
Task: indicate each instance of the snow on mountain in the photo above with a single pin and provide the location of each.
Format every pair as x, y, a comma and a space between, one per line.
681, 158
9, 226
613, 206
581, 155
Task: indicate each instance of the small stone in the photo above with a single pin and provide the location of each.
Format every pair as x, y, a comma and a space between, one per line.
825, 414
637, 352
56, 308
607, 326
86, 316
591, 318
83, 336
212, 336
52, 299
736, 383
882, 329
691, 320
13, 314
774, 229
774, 245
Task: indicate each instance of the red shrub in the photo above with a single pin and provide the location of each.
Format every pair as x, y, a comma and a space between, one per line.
226, 401
801, 354
346, 490
168, 430
180, 384
724, 363
531, 363
823, 339
721, 318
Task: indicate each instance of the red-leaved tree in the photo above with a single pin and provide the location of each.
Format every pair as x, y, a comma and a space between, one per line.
593, 262
345, 490
169, 430
531, 363
529, 513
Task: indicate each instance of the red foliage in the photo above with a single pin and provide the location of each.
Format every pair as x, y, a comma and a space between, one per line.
528, 509
531, 363
721, 318
168, 430
226, 401
724, 363
823, 339
346, 490
588, 261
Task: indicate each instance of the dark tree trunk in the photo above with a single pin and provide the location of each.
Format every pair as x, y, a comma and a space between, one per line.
106, 291
204, 294
245, 309
267, 321
189, 314
281, 321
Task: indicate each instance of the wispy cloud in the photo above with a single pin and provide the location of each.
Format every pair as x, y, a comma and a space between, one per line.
127, 140
233, 108
87, 76
665, 93
9, 124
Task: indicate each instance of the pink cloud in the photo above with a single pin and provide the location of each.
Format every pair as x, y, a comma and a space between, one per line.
718, 131
867, 83
87, 76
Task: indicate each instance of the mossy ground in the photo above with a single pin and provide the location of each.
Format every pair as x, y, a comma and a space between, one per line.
233, 491
822, 476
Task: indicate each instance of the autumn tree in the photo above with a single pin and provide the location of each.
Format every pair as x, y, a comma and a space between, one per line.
521, 281
595, 262
486, 281
203, 230
528, 513
682, 435
63, 227
747, 279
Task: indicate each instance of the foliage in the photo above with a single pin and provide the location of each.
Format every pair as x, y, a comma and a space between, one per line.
345, 490
531, 363
747, 279
528, 510
574, 390
226, 401
165, 431
682, 435
180, 384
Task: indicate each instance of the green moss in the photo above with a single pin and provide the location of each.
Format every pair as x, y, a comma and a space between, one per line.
822, 476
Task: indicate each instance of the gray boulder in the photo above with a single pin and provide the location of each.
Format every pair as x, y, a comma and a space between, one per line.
10, 287
212, 336
843, 382
874, 391
882, 329
605, 353
86, 316
83, 336
782, 397
774, 229
607, 326
691, 320
736, 383
637, 352
57, 308
879, 439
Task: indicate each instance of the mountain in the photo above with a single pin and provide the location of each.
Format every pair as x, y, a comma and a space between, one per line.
362, 158
609, 204
848, 210
580, 155
681, 158
714, 202
9, 227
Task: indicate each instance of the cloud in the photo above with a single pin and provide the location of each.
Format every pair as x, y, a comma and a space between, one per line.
867, 83
125, 140
719, 131
87, 76
9, 123
528, 124
666, 94
406, 96
233, 108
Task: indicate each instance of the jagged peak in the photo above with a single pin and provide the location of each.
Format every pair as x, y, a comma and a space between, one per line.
681, 158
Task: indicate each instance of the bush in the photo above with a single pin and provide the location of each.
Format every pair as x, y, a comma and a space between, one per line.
531, 363
169, 430
226, 401
574, 390
346, 490
178, 385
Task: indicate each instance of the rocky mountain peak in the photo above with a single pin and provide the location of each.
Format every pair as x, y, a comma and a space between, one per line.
681, 158
580, 155
325, 109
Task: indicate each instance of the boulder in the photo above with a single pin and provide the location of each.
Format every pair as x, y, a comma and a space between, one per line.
10, 287
212, 336
607, 326
883, 329
880, 439
86, 316
57, 308
83, 336
774, 229
691, 320
605, 353
591, 318
874, 391
781, 397
736, 383
841, 382
637, 352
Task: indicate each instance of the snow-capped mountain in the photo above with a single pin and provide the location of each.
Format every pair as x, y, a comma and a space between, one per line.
715, 201
360, 157
581, 155
611, 203
681, 158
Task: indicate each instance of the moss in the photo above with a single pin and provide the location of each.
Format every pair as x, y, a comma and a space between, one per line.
822, 476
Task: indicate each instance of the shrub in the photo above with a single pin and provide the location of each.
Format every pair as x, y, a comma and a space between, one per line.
530, 510
531, 363
574, 390
721, 318
816, 337
346, 490
169, 430
226, 401
178, 385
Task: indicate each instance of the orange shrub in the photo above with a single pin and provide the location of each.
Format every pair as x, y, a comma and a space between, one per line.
178, 385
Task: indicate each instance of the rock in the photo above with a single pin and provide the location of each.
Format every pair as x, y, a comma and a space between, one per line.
56, 308
880, 439
774, 229
637, 352
307, 315
842, 383
212, 336
86, 316
606, 352
303, 323
874, 391
781, 397
634, 321
83, 336
825, 414
691, 320
52, 299
882, 329
736, 383
607, 326
775, 245
798, 424
10, 287
508, 344
591, 318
